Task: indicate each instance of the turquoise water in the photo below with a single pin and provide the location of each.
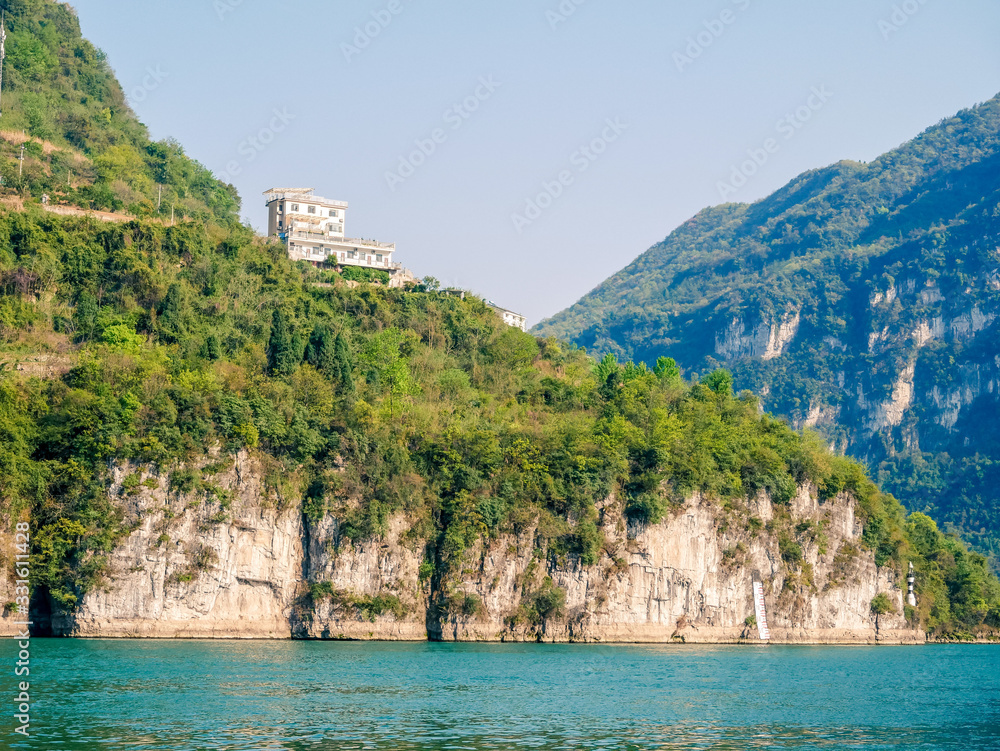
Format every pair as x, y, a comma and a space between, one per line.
307, 695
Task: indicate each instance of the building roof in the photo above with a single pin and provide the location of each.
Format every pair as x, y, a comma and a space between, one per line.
302, 194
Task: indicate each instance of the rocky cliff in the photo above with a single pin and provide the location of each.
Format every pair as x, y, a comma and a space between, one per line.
236, 562
861, 299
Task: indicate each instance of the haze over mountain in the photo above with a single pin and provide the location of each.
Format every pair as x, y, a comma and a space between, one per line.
862, 299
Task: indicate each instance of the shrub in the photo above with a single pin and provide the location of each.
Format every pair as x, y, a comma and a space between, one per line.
791, 551
881, 604
546, 603
361, 274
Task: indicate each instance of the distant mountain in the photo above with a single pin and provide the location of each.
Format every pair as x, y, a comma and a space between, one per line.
862, 299
85, 145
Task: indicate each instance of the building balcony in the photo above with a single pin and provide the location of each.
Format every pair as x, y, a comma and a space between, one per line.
346, 242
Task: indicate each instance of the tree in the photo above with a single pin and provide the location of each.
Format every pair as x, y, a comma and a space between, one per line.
666, 369
388, 366
173, 315
320, 352
880, 606
719, 381
281, 358
605, 368
85, 316
343, 365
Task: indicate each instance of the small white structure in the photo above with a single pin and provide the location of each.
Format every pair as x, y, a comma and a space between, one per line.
911, 578
509, 317
760, 611
313, 229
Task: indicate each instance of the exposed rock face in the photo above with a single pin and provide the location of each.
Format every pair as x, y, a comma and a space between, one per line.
766, 340
690, 579
192, 569
257, 569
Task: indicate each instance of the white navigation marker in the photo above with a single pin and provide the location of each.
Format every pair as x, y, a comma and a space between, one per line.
758, 602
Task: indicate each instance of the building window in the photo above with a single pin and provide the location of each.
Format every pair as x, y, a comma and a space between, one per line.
295, 207
333, 212
378, 257
312, 209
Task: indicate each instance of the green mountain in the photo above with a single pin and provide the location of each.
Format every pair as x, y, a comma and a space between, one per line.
85, 147
862, 299
135, 351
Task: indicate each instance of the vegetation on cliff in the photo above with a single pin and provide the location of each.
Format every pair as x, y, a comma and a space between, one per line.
152, 344
874, 269
149, 343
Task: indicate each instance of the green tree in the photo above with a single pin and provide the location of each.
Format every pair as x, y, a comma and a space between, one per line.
281, 357
85, 315
343, 365
607, 367
719, 381
388, 366
881, 605
666, 369
173, 321
321, 352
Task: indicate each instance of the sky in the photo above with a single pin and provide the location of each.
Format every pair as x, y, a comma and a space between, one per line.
529, 149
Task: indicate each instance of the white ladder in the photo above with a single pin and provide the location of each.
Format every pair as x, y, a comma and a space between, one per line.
758, 601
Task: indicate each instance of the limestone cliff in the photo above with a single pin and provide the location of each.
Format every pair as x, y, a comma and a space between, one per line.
239, 563
862, 299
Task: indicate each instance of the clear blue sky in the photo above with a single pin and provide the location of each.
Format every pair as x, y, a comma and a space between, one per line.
226, 66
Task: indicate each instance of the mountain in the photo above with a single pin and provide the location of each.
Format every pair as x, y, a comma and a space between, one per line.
196, 432
83, 144
861, 299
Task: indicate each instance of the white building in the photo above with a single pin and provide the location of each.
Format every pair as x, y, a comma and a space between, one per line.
509, 317
313, 229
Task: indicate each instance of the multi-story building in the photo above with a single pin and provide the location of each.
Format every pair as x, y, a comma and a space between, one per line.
313, 229
509, 317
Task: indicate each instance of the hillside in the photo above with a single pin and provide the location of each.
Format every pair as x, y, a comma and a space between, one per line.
85, 146
142, 358
860, 298
198, 430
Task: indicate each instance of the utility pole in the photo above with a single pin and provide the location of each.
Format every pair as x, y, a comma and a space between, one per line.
171, 216
159, 198
3, 53
20, 171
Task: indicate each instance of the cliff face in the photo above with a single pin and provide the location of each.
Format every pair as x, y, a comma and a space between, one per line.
195, 567
862, 299
690, 579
